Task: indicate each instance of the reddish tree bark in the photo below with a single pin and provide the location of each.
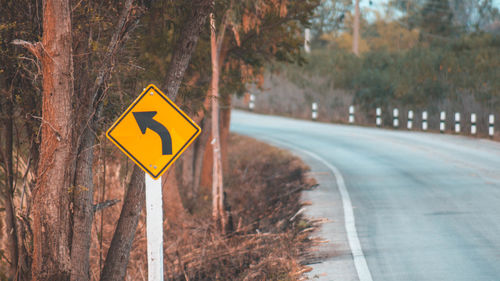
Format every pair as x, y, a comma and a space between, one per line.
224, 131
51, 197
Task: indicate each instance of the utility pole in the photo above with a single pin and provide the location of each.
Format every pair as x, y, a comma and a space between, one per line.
355, 39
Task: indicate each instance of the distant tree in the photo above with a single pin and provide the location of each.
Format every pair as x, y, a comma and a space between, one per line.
391, 36
329, 17
436, 18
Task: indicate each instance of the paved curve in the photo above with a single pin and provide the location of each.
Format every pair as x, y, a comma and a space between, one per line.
427, 206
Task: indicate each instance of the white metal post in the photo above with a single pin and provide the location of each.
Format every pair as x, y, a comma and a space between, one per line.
378, 120
351, 114
307, 40
442, 124
424, 121
251, 104
410, 119
473, 127
457, 122
154, 228
491, 125
395, 116
314, 114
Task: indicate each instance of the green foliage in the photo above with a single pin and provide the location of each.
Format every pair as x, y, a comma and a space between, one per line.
420, 76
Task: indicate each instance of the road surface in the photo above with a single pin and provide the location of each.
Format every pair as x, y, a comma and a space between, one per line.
400, 205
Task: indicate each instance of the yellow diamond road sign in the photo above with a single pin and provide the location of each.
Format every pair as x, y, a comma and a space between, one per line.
153, 131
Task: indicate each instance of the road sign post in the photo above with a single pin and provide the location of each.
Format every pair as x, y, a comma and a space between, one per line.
153, 132
154, 228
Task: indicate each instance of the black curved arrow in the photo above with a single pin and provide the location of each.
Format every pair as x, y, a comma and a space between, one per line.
145, 120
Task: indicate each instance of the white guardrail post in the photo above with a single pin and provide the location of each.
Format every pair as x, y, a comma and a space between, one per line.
351, 114
395, 117
457, 122
410, 120
491, 125
307, 40
378, 120
314, 114
251, 104
473, 127
442, 120
424, 121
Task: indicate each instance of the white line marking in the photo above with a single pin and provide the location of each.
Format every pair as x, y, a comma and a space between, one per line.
350, 223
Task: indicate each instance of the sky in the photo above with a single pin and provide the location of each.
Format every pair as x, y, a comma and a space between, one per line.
381, 5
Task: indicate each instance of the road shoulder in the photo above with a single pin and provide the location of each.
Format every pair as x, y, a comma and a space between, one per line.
332, 259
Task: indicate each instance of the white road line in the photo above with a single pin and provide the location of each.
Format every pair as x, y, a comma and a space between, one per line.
350, 223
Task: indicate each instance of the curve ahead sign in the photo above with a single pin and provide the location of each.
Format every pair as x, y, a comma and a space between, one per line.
153, 131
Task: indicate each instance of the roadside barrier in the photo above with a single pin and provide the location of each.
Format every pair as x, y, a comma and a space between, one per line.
457, 128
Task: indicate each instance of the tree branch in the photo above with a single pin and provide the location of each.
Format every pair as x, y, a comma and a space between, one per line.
186, 45
103, 205
35, 49
123, 27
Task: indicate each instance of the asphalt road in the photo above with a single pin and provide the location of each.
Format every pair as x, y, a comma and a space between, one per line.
425, 206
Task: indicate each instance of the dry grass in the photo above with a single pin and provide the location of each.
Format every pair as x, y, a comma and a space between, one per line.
268, 239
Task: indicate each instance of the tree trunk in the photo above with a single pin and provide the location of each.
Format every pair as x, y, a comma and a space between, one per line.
200, 146
217, 180
186, 45
116, 262
51, 197
355, 37
187, 171
88, 113
82, 210
224, 134
8, 192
